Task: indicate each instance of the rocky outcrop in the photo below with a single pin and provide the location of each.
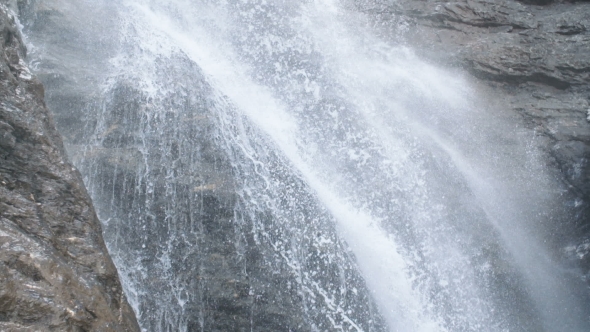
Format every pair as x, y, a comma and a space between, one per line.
55, 272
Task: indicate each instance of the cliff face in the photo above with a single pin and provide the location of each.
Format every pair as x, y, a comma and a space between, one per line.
533, 55
55, 272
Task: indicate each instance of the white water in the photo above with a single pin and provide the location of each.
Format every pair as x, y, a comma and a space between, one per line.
436, 196
391, 96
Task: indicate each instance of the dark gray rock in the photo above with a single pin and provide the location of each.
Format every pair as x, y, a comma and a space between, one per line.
55, 272
534, 56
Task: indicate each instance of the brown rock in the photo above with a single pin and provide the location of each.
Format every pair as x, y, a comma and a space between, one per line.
55, 272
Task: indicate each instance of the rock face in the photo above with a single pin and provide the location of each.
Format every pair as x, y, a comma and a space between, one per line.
55, 272
534, 56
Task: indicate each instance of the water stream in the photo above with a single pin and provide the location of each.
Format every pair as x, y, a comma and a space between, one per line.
270, 165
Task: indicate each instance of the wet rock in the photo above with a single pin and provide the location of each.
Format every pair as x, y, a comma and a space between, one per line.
55, 272
533, 55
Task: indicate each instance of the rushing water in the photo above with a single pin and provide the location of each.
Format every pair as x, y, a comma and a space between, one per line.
272, 165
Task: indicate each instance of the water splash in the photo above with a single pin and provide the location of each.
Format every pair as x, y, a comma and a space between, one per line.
251, 157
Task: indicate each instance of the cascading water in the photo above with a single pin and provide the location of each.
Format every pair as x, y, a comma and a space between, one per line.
273, 166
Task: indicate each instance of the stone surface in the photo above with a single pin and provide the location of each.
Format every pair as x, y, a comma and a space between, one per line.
55, 272
533, 55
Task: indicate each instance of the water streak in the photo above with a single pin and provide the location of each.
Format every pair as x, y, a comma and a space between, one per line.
285, 136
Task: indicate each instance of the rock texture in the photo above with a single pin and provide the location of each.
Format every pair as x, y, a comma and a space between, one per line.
55, 272
535, 56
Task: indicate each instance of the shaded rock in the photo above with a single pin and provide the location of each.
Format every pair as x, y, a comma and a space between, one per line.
55, 272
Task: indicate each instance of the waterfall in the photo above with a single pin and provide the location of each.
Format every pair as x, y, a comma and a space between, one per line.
271, 165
